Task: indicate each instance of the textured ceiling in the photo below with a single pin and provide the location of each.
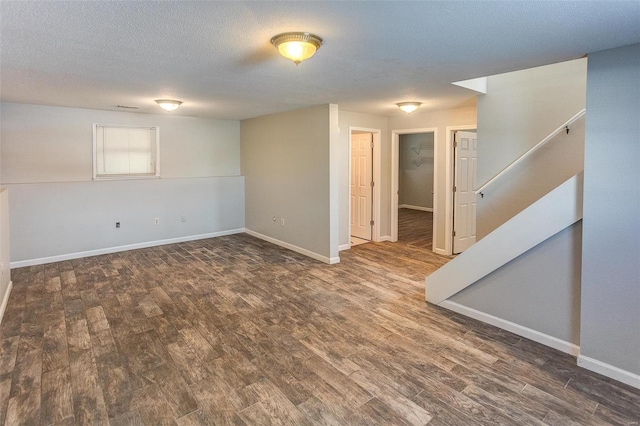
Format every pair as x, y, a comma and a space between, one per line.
216, 56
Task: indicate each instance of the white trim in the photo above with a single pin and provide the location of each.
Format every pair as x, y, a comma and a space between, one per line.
155, 175
377, 178
412, 207
344, 247
295, 248
449, 179
5, 300
518, 329
386, 238
97, 252
609, 370
395, 168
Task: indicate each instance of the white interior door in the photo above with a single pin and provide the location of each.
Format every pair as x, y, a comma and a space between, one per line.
361, 184
464, 197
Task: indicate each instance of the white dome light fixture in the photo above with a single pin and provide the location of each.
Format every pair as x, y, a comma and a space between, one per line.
297, 46
409, 107
168, 104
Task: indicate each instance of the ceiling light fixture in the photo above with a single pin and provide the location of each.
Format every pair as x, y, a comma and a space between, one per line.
409, 107
168, 104
297, 46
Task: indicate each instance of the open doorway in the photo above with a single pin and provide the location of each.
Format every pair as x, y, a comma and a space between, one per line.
413, 189
364, 195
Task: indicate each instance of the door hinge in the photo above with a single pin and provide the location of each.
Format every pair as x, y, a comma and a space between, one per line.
455, 144
454, 233
371, 144
371, 223
373, 184
454, 188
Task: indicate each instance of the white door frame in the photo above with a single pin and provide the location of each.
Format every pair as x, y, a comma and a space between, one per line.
449, 178
375, 231
395, 168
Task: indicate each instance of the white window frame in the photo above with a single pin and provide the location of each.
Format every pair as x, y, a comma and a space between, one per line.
124, 176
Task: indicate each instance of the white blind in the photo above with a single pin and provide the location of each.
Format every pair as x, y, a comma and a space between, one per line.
125, 151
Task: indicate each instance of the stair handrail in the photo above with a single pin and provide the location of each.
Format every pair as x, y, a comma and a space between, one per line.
564, 126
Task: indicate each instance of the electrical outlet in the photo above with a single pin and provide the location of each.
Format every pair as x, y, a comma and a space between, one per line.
282, 221
117, 224
183, 219
156, 221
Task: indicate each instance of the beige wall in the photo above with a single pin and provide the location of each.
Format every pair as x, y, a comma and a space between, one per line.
286, 164
442, 183
519, 110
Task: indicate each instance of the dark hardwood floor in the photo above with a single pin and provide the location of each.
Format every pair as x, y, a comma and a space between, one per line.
234, 330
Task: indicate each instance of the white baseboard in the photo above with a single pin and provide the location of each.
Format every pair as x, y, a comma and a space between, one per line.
441, 251
412, 207
295, 248
5, 300
518, 329
608, 370
97, 252
384, 238
344, 247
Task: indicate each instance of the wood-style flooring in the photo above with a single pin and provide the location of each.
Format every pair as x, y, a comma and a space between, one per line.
234, 330
415, 228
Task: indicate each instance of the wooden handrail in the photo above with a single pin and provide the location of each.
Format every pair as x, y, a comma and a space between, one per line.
532, 150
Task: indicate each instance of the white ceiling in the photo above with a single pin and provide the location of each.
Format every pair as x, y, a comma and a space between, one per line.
216, 56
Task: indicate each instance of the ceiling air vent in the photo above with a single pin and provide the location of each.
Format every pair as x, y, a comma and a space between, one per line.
127, 107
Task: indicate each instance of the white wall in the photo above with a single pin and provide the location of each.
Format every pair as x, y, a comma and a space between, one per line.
610, 332
348, 119
286, 164
442, 183
54, 144
415, 180
519, 110
57, 210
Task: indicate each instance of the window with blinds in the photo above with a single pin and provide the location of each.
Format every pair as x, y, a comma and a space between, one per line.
125, 152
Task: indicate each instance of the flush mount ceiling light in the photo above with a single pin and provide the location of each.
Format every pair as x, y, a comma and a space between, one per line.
409, 107
168, 104
297, 46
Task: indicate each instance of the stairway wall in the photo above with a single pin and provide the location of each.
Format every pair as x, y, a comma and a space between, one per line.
539, 289
519, 110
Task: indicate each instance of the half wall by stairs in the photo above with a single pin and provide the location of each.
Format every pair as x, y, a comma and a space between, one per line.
551, 214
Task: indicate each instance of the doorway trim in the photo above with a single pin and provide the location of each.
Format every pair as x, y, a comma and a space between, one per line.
395, 168
377, 150
449, 179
